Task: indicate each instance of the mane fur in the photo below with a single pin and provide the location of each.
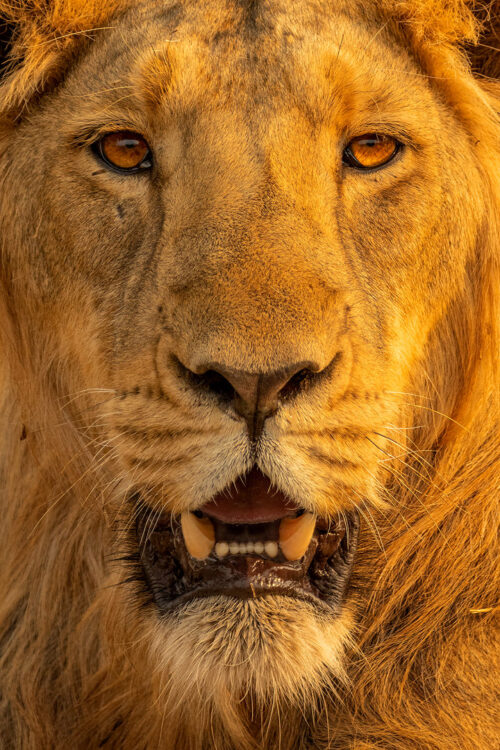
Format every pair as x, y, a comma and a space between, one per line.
45, 37
64, 648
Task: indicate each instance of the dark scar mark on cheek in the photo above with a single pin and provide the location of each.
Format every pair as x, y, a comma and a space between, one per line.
120, 211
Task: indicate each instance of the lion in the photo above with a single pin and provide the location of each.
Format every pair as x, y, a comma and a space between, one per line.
249, 378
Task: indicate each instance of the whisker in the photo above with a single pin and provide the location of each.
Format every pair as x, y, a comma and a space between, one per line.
436, 411
413, 453
83, 32
409, 466
407, 393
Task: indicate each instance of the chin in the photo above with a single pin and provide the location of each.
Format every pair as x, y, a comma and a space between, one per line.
215, 652
246, 606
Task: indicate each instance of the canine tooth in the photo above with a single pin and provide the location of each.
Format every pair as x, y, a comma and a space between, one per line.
296, 534
199, 535
258, 547
234, 548
221, 549
271, 549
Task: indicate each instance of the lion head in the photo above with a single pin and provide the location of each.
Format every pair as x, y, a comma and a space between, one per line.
249, 254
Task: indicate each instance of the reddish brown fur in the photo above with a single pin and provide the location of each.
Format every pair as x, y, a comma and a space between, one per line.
413, 660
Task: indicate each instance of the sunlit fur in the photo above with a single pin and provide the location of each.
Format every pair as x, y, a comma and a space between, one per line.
410, 438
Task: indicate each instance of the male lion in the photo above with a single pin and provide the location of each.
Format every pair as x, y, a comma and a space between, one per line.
249, 255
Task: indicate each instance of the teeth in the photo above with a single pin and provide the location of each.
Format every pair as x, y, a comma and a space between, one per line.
241, 548
199, 535
271, 549
221, 549
296, 534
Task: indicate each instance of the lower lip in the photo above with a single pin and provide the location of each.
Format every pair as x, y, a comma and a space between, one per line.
250, 591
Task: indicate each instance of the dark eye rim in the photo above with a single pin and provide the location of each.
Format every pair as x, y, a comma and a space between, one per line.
98, 151
349, 160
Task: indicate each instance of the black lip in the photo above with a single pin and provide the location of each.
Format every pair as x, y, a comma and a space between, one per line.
172, 577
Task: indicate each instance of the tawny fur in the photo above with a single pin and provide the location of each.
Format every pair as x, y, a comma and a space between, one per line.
85, 662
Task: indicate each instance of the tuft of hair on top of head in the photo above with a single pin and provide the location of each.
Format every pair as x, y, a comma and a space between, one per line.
37, 39
59, 16
443, 23
473, 25
484, 54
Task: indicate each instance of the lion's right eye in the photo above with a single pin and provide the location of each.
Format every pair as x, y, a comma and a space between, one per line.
124, 151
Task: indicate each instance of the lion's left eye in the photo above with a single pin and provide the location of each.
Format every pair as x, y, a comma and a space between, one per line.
370, 150
124, 151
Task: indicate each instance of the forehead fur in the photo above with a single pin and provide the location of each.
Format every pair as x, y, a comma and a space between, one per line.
54, 24
450, 21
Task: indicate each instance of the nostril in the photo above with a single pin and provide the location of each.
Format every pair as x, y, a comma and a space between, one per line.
296, 383
214, 382
209, 381
308, 377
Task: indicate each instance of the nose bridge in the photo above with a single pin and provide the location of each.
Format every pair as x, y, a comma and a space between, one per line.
261, 292
258, 296
259, 326
258, 392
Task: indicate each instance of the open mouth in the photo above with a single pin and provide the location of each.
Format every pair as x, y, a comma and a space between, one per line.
248, 541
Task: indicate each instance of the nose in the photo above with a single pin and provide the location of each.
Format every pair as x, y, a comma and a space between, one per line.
254, 396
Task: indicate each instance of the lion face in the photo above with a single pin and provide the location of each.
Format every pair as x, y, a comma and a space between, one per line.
246, 231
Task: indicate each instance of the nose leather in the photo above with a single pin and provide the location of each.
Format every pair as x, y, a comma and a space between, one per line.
257, 394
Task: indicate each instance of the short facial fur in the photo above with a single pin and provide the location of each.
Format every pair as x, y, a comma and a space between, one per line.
250, 243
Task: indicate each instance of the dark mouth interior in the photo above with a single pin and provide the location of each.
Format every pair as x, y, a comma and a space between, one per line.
245, 559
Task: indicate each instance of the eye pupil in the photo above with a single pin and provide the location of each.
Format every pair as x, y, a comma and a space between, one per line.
124, 151
370, 150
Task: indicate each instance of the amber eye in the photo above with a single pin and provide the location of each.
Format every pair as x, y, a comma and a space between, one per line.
124, 150
370, 151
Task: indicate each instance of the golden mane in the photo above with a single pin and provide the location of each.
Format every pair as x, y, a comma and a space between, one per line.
442, 550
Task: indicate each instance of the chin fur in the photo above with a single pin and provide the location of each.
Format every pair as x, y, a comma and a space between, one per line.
226, 666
